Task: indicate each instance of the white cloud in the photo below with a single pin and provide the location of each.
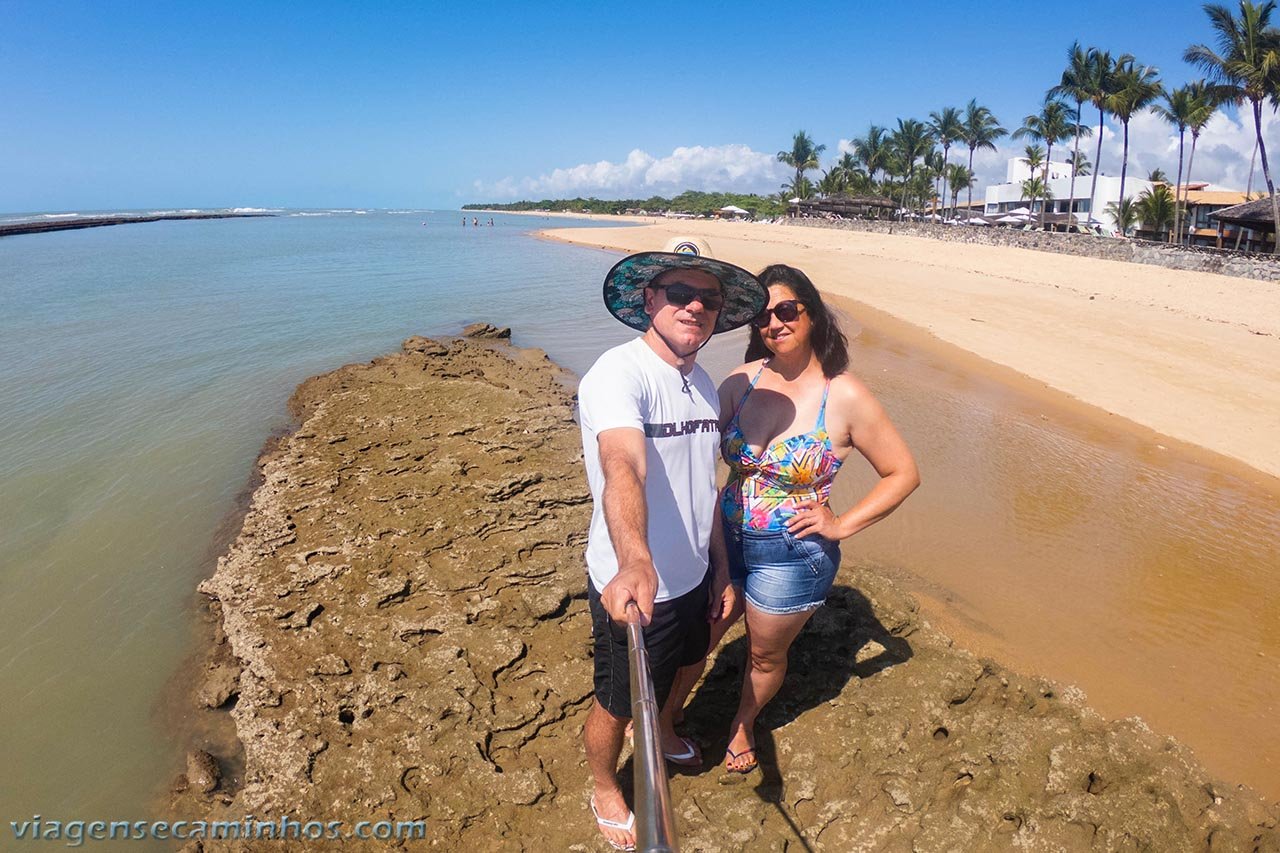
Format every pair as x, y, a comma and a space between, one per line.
1222, 157
726, 168
1222, 154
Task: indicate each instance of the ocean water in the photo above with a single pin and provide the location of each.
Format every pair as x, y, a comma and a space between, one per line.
142, 367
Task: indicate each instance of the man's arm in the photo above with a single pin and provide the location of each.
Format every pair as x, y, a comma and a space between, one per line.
723, 593
622, 461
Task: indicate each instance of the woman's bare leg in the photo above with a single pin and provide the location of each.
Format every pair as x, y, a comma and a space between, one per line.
769, 637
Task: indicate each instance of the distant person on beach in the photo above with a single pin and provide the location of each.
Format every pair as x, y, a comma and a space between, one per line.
650, 430
790, 416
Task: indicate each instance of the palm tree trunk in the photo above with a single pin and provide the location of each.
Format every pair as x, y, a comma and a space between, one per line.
1075, 158
1266, 174
1048, 157
1248, 189
946, 161
1097, 164
1177, 190
969, 203
1190, 161
1124, 161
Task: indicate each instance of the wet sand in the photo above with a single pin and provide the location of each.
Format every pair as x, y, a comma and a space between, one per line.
406, 638
1063, 539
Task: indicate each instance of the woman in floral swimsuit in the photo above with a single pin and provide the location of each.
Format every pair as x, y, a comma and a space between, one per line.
790, 417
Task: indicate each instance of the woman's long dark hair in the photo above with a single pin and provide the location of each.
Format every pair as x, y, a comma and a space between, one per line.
828, 342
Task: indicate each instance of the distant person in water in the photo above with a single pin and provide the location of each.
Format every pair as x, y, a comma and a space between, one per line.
475, 222
790, 416
650, 431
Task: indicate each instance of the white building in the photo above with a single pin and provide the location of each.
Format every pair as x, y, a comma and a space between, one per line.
1002, 198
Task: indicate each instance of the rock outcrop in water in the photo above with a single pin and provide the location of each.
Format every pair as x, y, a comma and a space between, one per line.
406, 604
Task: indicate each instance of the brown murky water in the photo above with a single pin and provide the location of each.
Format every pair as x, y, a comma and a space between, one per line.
1073, 544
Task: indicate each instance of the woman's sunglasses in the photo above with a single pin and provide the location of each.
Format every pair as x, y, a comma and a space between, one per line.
680, 294
786, 311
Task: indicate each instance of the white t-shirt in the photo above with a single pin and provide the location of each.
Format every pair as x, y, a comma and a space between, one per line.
630, 386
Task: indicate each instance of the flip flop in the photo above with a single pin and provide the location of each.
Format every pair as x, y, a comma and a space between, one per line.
628, 826
691, 757
730, 755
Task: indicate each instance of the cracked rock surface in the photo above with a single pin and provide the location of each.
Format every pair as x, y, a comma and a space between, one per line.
406, 609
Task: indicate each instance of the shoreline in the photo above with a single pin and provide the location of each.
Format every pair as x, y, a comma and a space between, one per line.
396, 665
1156, 337
17, 228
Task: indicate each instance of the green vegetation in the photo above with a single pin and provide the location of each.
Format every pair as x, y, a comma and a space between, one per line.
1155, 208
690, 201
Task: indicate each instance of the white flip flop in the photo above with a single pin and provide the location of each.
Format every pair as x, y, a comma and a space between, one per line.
615, 824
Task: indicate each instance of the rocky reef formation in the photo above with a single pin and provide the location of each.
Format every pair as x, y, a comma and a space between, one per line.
407, 638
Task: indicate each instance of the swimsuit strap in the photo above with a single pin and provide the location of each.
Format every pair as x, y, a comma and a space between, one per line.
737, 411
822, 409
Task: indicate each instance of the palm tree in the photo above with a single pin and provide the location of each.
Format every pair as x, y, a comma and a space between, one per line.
1033, 188
802, 157
1247, 63
910, 142
1156, 208
1080, 165
1135, 88
1125, 213
935, 165
1034, 159
1203, 103
981, 130
1157, 176
1099, 84
832, 182
852, 177
1050, 126
1075, 86
1176, 110
800, 187
873, 150
958, 177
946, 127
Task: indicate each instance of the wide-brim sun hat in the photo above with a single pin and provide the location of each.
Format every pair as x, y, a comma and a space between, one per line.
744, 296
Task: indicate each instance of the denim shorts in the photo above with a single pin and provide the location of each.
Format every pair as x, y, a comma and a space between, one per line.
781, 573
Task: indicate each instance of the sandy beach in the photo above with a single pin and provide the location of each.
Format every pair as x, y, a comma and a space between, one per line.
1193, 356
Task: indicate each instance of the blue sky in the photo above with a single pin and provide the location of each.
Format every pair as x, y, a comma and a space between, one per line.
184, 104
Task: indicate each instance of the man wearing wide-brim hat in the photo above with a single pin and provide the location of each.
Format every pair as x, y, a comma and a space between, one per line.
650, 435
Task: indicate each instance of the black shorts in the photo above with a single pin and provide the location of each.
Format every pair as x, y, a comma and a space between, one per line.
678, 635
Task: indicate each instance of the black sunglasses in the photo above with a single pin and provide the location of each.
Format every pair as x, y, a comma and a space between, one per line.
786, 311
680, 294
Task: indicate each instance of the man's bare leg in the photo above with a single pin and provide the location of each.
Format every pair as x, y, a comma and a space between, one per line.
686, 678
602, 738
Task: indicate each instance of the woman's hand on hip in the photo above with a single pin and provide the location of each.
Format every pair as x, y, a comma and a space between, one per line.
813, 518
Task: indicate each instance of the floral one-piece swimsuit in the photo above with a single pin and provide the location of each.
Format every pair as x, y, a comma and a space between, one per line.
781, 573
